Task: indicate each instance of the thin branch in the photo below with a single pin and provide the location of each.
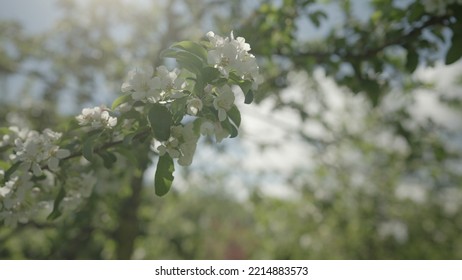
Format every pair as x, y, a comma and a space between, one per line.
106, 146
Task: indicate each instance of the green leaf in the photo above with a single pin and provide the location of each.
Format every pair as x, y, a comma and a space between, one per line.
234, 77
189, 61
56, 213
199, 86
373, 91
164, 175
160, 119
128, 139
87, 149
221, 82
185, 59
168, 53
39, 178
197, 125
209, 74
132, 114
10, 171
230, 128
249, 97
455, 51
120, 100
108, 159
178, 107
89, 143
235, 115
316, 17
5, 148
412, 60
245, 86
192, 47
415, 11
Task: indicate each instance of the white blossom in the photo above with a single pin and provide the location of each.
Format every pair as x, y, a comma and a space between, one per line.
220, 132
14, 191
35, 150
181, 145
187, 153
13, 207
207, 128
13, 133
55, 155
394, 228
194, 106
412, 192
11, 218
141, 84
96, 117
224, 101
147, 87
167, 83
170, 147
7, 188
232, 55
188, 145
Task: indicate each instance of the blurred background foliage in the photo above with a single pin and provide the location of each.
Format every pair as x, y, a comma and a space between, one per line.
379, 182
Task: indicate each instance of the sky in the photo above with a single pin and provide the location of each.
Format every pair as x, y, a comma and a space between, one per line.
36, 16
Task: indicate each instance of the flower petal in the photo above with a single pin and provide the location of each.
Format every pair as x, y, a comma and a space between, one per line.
53, 164
62, 153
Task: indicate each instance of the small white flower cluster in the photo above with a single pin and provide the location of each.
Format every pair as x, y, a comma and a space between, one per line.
194, 106
181, 145
96, 117
145, 87
32, 153
224, 101
12, 197
209, 128
30, 182
234, 62
183, 140
232, 55
438, 7
35, 150
395, 229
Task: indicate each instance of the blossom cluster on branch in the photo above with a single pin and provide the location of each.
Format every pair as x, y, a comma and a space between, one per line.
172, 107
